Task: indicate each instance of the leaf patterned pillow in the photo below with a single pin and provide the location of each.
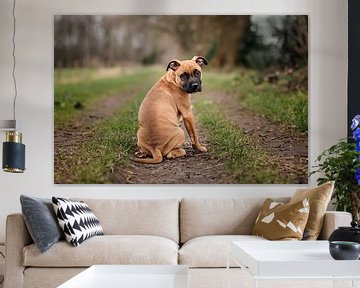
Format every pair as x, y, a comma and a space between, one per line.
279, 221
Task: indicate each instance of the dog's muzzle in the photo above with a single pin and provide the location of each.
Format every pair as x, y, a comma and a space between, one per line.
192, 87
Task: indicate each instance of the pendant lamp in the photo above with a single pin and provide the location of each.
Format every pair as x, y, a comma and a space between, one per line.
13, 160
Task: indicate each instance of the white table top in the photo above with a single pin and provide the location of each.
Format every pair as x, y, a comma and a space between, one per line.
291, 259
131, 276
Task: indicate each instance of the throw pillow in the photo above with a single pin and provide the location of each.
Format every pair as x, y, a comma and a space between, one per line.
319, 198
41, 222
279, 221
77, 220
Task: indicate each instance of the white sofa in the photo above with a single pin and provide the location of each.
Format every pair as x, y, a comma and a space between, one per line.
194, 232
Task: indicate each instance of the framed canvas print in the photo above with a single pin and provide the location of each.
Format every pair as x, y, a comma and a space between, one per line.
181, 99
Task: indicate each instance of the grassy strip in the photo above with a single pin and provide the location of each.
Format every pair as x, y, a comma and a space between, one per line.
71, 75
113, 145
72, 99
289, 108
246, 163
115, 139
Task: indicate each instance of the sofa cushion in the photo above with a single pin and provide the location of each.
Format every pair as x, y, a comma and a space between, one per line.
107, 249
201, 217
211, 251
319, 198
279, 221
158, 217
41, 221
77, 220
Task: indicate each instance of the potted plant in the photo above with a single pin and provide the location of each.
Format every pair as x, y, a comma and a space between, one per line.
341, 163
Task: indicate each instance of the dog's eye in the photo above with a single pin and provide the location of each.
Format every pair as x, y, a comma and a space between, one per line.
197, 73
184, 76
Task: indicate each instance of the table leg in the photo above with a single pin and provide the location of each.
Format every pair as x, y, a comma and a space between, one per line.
355, 283
255, 283
228, 269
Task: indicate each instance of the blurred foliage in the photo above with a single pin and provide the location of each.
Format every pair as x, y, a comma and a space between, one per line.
227, 41
151, 57
287, 45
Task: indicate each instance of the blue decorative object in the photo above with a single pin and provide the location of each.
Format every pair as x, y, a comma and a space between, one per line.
357, 176
355, 122
356, 133
13, 153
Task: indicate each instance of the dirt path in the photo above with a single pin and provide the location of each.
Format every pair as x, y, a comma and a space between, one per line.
288, 148
194, 168
68, 140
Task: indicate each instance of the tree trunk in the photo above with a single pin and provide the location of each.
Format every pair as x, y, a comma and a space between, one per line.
232, 31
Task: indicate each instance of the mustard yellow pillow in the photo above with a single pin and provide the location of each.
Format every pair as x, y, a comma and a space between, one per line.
279, 221
319, 198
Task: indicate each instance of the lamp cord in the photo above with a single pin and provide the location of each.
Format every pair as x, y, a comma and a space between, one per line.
14, 61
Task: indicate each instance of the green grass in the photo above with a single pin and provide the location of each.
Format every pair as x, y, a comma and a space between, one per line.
73, 74
112, 146
289, 108
71, 99
246, 163
114, 143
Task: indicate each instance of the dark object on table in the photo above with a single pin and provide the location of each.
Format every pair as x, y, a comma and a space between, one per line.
351, 233
344, 250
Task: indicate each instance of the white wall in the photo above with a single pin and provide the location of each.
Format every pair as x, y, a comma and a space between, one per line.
34, 39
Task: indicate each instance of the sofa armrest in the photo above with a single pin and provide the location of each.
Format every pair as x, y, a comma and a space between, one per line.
333, 220
17, 237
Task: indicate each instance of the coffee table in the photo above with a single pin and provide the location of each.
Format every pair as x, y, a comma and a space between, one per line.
131, 276
293, 260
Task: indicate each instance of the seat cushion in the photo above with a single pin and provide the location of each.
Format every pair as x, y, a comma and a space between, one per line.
211, 251
107, 249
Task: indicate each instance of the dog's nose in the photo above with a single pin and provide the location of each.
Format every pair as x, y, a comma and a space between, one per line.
194, 85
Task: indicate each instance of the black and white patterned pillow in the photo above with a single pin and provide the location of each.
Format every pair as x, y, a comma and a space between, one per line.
77, 220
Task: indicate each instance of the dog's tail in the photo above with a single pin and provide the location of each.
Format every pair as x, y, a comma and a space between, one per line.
157, 158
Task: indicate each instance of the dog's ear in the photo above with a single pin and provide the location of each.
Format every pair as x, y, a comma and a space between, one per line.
200, 60
173, 65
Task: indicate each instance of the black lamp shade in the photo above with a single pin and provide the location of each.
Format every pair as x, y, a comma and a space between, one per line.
13, 157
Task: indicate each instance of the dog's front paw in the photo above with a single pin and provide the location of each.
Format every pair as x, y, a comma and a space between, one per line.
202, 148
141, 153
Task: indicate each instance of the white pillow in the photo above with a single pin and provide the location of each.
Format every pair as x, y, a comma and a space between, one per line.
76, 220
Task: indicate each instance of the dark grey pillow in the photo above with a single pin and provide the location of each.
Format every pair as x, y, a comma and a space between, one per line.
41, 221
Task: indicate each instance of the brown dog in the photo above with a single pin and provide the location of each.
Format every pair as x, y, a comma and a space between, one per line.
160, 112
